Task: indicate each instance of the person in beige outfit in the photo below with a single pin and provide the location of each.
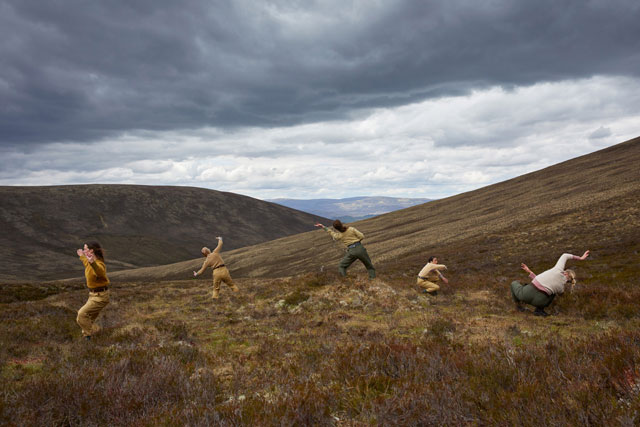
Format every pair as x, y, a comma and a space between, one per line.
95, 273
220, 271
430, 274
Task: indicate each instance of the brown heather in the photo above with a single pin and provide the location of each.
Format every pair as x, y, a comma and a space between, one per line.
301, 346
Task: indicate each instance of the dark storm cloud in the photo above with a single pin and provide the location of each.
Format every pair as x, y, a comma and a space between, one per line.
85, 70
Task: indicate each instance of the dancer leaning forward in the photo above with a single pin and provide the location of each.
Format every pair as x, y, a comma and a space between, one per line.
352, 240
545, 286
220, 271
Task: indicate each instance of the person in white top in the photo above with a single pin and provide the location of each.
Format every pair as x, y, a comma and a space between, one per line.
545, 286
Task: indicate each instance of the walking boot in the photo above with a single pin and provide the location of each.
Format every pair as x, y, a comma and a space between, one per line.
540, 312
215, 294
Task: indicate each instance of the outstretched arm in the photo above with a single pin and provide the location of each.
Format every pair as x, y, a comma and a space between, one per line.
529, 272
444, 279
334, 235
562, 261
205, 264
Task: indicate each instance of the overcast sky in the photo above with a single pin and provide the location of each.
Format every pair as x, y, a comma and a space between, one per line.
312, 99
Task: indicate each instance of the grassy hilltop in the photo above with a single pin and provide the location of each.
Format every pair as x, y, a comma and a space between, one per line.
299, 345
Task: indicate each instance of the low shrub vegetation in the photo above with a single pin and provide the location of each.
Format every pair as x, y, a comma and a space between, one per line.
318, 349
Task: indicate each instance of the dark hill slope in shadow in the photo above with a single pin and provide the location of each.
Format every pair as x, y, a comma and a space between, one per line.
590, 202
138, 225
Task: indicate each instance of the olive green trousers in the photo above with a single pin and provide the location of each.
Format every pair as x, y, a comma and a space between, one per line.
354, 253
529, 294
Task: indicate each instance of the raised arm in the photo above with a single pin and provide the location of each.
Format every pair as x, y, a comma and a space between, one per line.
562, 261
219, 247
99, 269
88, 258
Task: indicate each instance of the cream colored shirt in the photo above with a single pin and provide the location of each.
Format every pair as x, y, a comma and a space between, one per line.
429, 271
348, 237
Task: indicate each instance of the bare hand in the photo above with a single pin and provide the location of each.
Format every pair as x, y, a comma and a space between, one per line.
319, 225
219, 238
195, 274
444, 279
525, 268
80, 252
90, 255
585, 255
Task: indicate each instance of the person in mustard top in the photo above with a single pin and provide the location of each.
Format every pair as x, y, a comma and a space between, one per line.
351, 239
220, 271
95, 272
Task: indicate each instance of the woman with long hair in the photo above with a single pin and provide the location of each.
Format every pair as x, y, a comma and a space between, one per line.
545, 286
95, 273
351, 239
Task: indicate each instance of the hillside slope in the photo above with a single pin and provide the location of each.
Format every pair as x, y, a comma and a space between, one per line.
590, 202
138, 225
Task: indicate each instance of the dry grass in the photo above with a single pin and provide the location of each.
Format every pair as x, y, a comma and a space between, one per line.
320, 349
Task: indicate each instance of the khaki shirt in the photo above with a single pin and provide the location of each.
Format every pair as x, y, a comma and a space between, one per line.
348, 237
213, 260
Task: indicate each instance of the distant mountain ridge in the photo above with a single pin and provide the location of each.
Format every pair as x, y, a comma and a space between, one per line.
352, 208
138, 226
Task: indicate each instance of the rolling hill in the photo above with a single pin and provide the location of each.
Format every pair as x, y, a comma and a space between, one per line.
587, 202
137, 225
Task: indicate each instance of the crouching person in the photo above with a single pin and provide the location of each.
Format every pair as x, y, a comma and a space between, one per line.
429, 275
545, 286
220, 271
95, 273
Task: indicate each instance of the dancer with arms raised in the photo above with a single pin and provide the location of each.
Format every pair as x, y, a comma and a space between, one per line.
220, 271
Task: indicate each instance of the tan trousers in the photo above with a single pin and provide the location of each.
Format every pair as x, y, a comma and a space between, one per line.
221, 274
90, 311
429, 286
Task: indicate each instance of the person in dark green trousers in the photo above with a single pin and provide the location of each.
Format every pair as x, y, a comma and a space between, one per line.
352, 240
545, 286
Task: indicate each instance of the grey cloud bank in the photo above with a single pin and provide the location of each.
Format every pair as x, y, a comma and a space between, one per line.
81, 71
312, 99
